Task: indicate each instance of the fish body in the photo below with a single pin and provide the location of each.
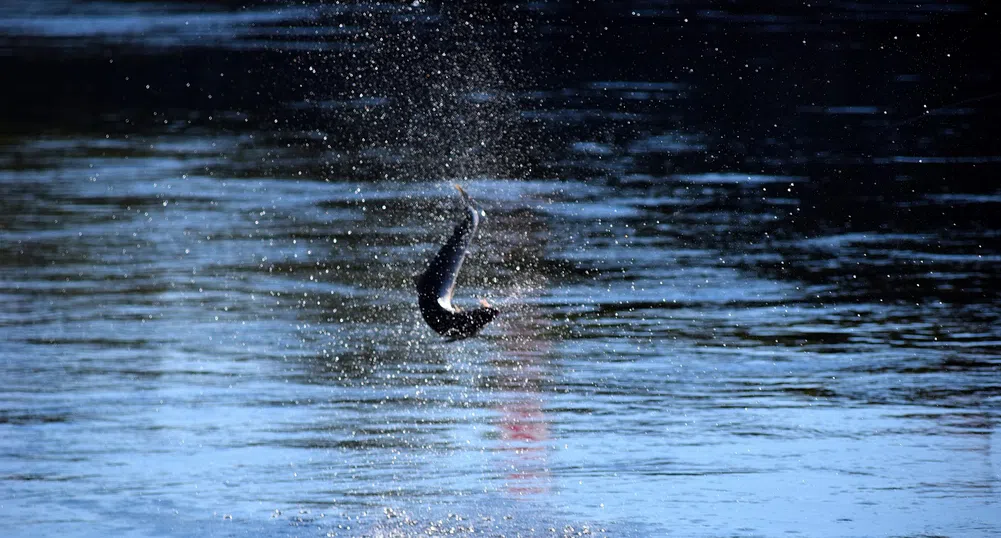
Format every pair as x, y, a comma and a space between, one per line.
436, 285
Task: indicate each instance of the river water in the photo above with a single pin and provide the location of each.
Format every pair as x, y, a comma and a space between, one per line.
744, 256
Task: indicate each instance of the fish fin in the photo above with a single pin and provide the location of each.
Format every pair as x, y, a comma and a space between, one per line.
470, 202
465, 195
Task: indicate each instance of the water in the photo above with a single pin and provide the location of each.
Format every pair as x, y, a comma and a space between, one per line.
749, 281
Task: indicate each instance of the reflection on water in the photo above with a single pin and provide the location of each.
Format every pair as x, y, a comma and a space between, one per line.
748, 280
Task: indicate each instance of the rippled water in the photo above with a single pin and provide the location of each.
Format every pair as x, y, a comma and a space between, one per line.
747, 289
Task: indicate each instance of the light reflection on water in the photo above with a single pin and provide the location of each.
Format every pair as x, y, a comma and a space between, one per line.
213, 331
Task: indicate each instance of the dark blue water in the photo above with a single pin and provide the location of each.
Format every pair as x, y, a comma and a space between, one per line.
747, 259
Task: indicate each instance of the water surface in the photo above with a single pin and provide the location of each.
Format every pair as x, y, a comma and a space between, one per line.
749, 282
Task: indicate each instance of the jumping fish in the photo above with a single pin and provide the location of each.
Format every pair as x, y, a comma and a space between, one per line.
436, 285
